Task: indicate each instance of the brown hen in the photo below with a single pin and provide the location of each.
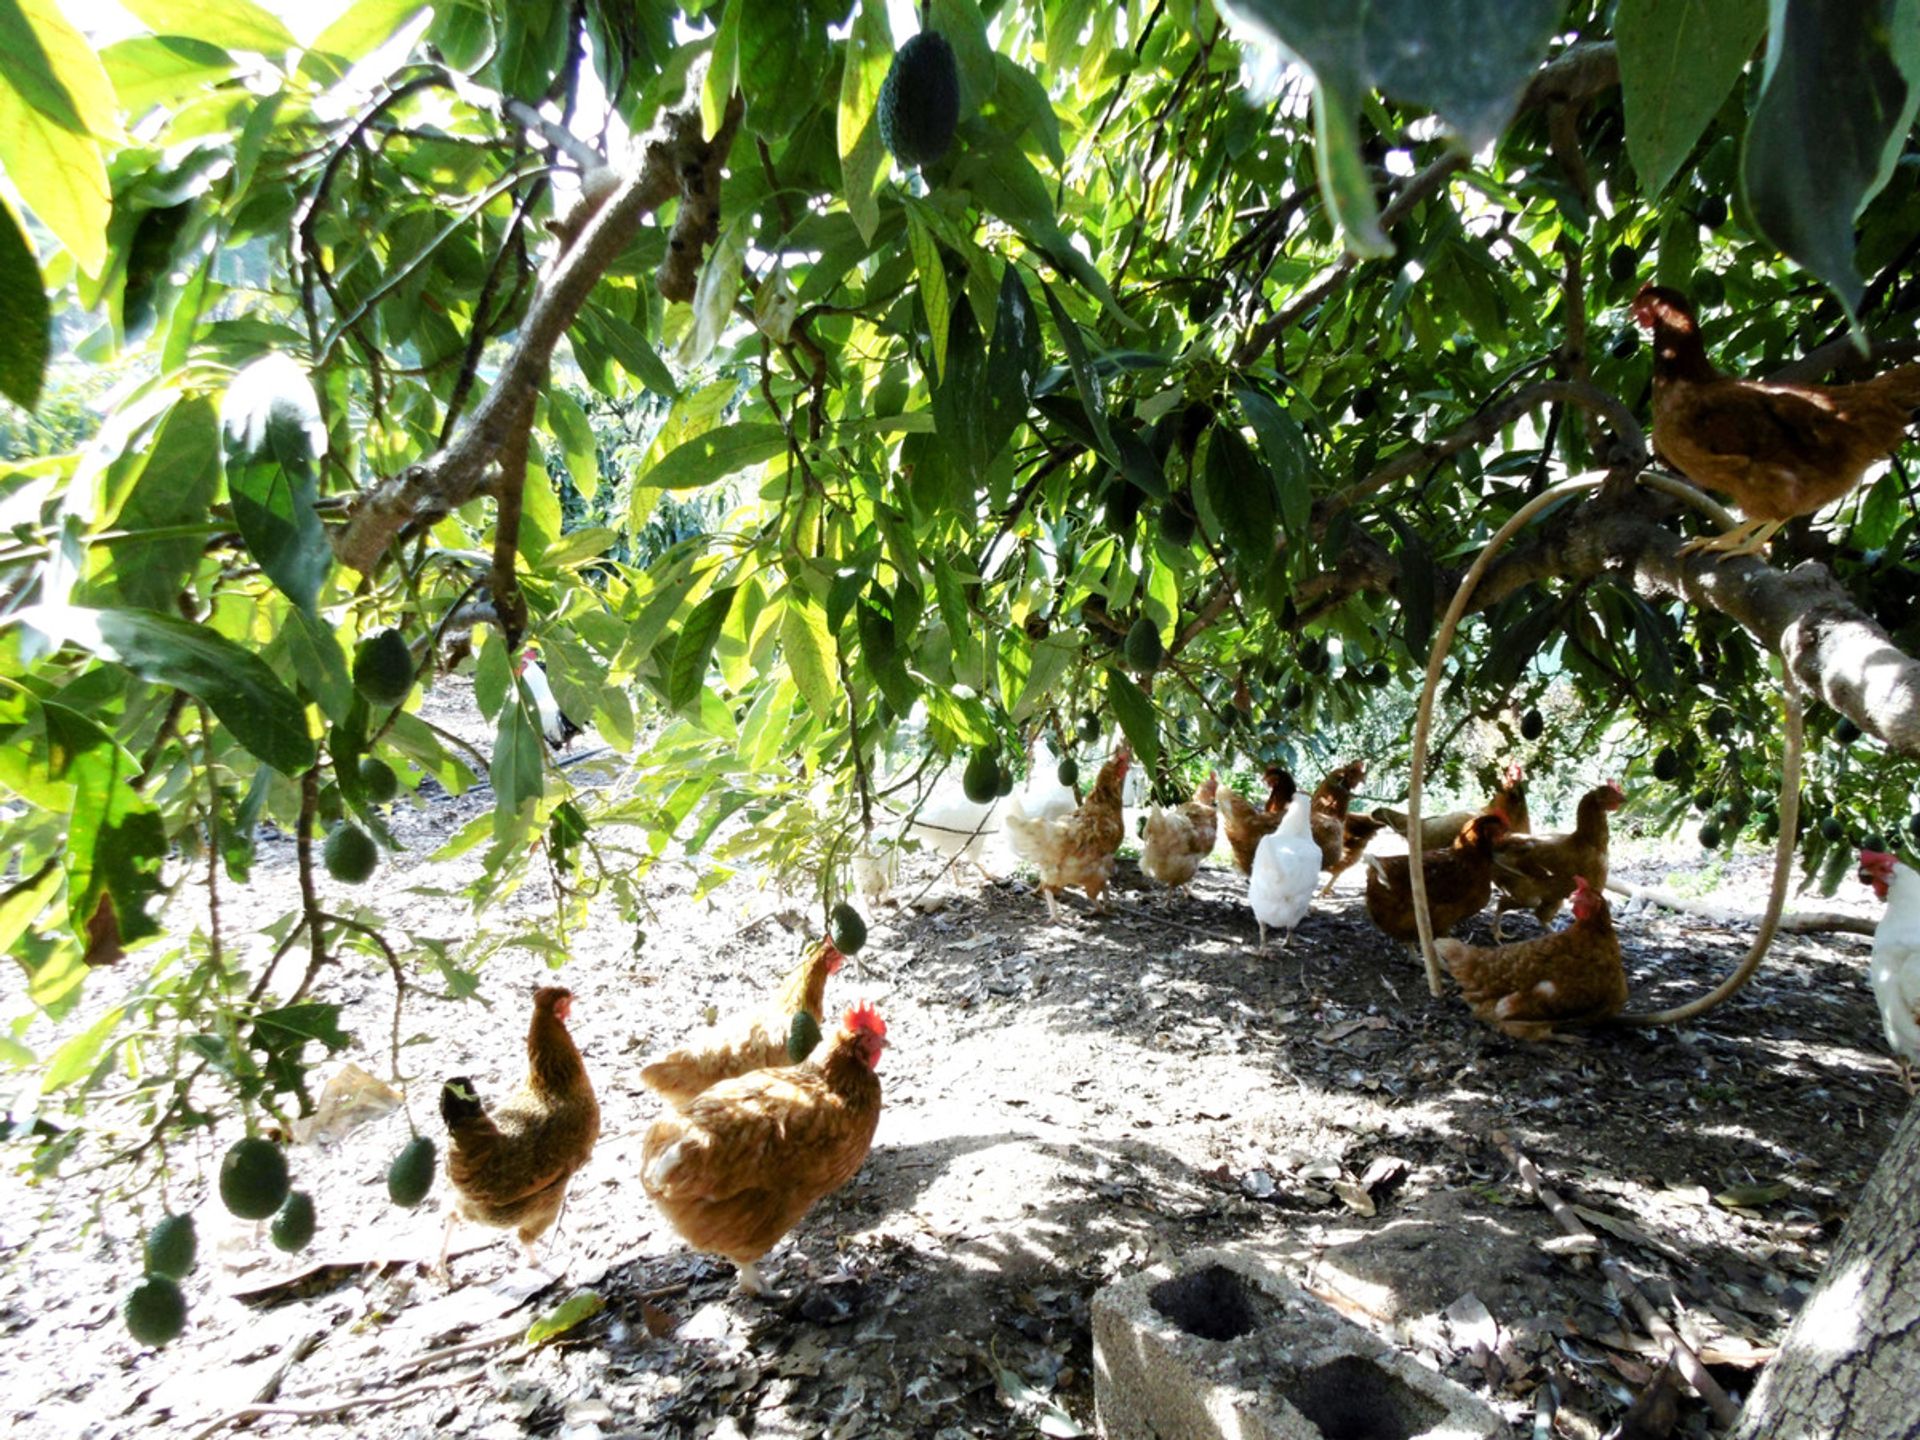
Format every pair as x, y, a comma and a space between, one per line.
1780, 450
510, 1165
1568, 977
739, 1167
1459, 882
750, 1042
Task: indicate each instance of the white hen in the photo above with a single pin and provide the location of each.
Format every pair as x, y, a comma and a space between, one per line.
957, 827
1896, 953
558, 727
1286, 868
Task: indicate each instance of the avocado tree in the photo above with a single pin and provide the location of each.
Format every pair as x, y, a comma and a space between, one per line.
793, 371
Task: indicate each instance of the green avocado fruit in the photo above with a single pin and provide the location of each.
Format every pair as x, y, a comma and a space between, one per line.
253, 1178
919, 104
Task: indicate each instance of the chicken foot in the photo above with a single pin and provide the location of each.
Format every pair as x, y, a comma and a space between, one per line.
1749, 537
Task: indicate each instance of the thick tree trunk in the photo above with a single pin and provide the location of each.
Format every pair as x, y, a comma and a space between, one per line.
1849, 1368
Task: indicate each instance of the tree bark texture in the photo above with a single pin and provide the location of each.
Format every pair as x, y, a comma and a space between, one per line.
1849, 1367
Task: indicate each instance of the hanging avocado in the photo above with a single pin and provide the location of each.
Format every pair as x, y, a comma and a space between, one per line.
383, 668
253, 1178
848, 931
1144, 650
410, 1175
919, 106
292, 1228
1532, 725
350, 854
170, 1247
1069, 773
981, 779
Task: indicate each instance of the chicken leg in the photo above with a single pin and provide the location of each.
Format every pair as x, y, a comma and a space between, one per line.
1749, 537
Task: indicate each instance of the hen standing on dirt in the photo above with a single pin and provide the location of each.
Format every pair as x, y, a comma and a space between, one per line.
740, 1166
510, 1166
1896, 955
1078, 850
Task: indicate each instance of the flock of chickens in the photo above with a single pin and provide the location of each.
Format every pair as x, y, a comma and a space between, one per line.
1282, 847
755, 1137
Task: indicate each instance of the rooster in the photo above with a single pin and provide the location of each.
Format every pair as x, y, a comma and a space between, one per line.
1178, 840
1078, 850
1286, 867
1896, 955
510, 1165
1779, 450
556, 725
1571, 976
752, 1042
737, 1169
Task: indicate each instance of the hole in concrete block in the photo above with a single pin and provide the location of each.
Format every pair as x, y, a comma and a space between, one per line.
1213, 1303
1354, 1399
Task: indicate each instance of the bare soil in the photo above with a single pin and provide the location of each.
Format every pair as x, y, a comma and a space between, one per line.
1064, 1104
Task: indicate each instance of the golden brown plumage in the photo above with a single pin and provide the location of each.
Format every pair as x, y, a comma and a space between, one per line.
1079, 849
1537, 872
750, 1042
1246, 827
1178, 840
1439, 831
510, 1165
1342, 837
1780, 450
1459, 881
740, 1166
1568, 977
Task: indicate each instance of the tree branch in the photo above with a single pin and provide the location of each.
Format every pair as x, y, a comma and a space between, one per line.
678, 163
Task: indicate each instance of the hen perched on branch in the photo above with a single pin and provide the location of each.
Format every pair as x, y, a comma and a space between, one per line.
1780, 451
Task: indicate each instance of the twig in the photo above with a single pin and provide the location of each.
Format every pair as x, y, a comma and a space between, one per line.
393, 964
309, 894
1683, 1356
324, 1412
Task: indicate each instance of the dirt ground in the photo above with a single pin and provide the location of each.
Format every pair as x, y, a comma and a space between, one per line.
1064, 1105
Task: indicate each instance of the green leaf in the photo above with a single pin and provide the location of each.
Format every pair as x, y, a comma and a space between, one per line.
1015, 361
1285, 444
1241, 494
321, 664
235, 683
24, 316
1831, 101
965, 29
783, 60
116, 842
22, 902
162, 70
630, 348
1678, 61
577, 443
723, 70
934, 299
75, 1058
1137, 719
235, 24
1415, 590
863, 159
362, 28
693, 648
1467, 60
518, 768
720, 452
165, 512
578, 1307
56, 105
1092, 397
811, 655
291, 1026
1344, 181
273, 434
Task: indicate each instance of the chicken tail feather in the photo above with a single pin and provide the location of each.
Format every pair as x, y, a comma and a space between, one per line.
460, 1102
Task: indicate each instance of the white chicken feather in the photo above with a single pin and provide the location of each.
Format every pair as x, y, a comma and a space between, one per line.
1286, 869
1896, 951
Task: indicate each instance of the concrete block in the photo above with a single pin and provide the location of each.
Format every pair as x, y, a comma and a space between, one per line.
1222, 1346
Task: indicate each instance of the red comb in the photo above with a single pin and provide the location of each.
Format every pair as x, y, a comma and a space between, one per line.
862, 1016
